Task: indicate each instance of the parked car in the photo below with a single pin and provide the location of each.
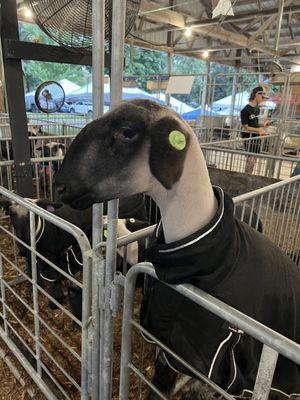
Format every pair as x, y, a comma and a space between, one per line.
30, 102
65, 108
82, 107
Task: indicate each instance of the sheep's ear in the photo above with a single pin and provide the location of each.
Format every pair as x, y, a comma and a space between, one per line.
169, 143
5, 204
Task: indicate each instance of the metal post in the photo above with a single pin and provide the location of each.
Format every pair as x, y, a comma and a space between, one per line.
98, 60
117, 64
170, 68
86, 307
16, 101
126, 338
97, 301
234, 90
279, 21
265, 373
35, 294
98, 56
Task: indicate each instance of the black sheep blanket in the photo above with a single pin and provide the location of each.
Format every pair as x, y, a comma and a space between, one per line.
236, 264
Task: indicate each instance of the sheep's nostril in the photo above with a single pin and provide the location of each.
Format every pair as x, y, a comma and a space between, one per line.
60, 189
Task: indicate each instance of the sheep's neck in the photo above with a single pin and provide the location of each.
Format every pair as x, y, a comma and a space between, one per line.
190, 204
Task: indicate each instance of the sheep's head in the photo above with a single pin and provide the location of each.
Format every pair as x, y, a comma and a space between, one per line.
125, 152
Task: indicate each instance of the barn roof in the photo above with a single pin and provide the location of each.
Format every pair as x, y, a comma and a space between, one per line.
253, 35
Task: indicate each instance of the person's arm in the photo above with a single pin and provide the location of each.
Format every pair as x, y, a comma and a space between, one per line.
259, 130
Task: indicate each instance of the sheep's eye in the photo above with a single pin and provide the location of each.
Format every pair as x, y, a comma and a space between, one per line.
126, 134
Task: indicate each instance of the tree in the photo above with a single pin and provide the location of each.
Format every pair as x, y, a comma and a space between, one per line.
37, 72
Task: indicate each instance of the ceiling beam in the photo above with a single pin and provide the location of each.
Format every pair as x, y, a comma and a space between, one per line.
262, 29
178, 20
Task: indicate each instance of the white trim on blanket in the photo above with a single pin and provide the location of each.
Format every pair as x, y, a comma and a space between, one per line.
203, 234
217, 353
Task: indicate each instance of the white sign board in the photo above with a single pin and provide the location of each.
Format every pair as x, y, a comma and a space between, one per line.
224, 7
180, 84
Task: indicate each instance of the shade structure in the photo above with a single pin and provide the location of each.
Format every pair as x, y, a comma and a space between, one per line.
85, 94
197, 113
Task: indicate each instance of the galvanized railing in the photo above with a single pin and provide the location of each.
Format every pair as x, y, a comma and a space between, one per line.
230, 159
273, 342
58, 365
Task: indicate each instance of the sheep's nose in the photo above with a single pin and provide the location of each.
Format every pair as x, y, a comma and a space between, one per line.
60, 189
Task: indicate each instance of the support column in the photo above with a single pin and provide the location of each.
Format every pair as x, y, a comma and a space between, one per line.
16, 102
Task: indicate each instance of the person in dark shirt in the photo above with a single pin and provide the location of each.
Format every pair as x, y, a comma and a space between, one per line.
250, 125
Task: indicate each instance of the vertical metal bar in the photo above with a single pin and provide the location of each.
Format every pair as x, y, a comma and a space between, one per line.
97, 296
279, 21
170, 68
86, 308
98, 25
98, 21
284, 220
3, 297
16, 101
108, 317
265, 373
117, 65
35, 294
289, 220
234, 90
126, 338
203, 99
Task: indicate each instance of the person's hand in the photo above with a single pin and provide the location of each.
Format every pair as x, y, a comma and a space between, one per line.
267, 122
262, 132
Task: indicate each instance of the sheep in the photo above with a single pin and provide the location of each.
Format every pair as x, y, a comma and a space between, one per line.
50, 149
142, 147
60, 247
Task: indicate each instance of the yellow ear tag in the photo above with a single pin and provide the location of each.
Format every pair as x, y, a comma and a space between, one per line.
177, 140
105, 233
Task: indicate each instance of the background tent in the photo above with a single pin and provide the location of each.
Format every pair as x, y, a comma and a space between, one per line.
223, 106
179, 106
197, 113
85, 94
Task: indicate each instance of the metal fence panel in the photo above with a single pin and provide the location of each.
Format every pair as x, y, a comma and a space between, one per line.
43, 333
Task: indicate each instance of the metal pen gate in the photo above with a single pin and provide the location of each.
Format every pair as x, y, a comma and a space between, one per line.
50, 343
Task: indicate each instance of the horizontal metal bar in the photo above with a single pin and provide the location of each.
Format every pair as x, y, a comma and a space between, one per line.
77, 233
262, 333
238, 140
266, 189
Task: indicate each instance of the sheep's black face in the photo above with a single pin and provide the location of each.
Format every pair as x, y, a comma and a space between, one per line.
125, 152
98, 164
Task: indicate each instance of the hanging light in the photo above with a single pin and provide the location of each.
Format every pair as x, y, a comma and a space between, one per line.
188, 32
205, 54
27, 12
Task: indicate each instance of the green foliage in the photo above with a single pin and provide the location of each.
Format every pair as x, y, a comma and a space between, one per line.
32, 33
37, 72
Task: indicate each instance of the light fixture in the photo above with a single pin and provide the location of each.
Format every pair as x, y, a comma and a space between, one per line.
205, 54
188, 32
27, 12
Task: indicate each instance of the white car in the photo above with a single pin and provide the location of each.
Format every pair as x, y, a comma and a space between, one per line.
82, 107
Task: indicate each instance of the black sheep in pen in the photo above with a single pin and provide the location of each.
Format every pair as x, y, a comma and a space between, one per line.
140, 146
60, 247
